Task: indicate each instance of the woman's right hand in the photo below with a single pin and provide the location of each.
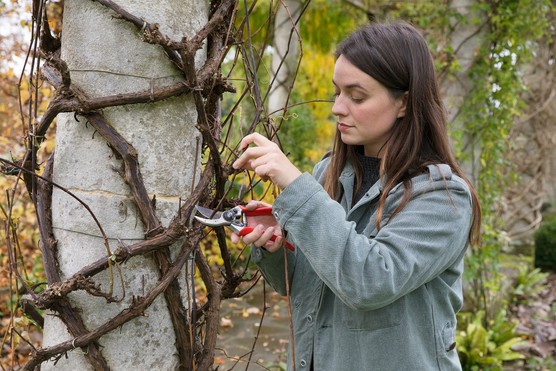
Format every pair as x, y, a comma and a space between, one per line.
264, 227
265, 158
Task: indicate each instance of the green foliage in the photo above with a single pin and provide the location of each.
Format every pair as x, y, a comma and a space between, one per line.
327, 22
528, 283
544, 364
313, 119
298, 135
483, 271
240, 185
495, 99
486, 348
281, 366
436, 20
545, 245
259, 27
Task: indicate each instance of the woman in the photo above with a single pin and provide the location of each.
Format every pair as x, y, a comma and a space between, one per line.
382, 225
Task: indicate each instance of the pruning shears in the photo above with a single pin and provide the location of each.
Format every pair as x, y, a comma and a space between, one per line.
235, 219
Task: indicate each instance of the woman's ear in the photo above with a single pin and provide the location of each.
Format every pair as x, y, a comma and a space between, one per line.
403, 104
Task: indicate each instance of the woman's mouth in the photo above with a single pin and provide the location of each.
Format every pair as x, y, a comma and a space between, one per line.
343, 127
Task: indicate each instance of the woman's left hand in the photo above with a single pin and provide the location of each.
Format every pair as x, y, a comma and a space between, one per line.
266, 160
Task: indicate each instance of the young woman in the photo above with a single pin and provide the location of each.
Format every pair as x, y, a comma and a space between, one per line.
381, 227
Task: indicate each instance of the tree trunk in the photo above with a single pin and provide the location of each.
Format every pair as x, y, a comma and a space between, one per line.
284, 55
107, 56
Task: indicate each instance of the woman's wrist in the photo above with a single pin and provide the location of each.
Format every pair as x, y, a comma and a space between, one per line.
294, 175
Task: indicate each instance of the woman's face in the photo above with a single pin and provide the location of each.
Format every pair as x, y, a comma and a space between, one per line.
365, 110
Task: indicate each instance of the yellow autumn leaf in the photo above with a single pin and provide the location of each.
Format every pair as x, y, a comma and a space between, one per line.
46, 92
25, 95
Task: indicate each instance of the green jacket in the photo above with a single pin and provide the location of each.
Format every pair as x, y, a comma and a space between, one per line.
368, 300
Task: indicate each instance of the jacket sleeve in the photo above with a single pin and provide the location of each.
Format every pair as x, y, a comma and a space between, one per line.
369, 272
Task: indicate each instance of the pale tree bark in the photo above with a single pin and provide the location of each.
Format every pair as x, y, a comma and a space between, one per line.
107, 56
285, 52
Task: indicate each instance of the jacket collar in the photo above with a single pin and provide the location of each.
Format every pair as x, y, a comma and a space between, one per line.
347, 179
436, 172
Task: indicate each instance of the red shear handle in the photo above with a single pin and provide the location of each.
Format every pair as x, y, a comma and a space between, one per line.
259, 211
247, 230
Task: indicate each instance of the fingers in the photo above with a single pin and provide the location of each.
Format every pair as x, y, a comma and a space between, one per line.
254, 204
235, 238
254, 138
267, 160
260, 237
251, 154
265, 237
262, 146
272, 246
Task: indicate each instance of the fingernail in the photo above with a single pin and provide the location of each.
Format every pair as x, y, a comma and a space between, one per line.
260, 227
271, 229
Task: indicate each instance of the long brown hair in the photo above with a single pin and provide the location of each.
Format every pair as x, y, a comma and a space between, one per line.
397, 56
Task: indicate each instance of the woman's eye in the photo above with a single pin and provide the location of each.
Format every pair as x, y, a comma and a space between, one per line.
356, 99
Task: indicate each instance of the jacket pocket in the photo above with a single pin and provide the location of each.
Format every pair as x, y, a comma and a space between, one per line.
449, 337
385, 317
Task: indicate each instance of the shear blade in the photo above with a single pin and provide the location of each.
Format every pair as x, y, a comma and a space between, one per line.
208, 213
212, 222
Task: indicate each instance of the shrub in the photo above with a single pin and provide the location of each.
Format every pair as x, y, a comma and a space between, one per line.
545, 245
482, 348
528, 283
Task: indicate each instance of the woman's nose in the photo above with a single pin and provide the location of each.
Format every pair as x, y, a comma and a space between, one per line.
339, 108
